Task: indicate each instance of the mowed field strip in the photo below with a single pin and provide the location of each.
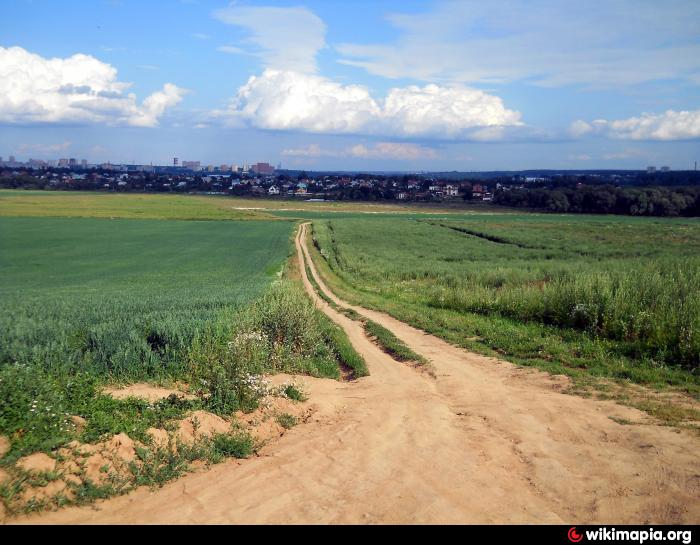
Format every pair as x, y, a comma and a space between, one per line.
484, 441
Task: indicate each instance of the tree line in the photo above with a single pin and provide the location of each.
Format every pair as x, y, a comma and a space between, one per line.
606, 199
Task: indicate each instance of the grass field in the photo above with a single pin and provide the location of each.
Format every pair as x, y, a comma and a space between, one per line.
16, 203
190, 207
125, 297
585, 296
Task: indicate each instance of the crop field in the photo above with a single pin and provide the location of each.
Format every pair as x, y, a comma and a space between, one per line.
125, 297
16, 203
187, 207
585, 296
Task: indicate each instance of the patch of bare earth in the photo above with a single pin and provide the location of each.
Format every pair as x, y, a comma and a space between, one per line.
50, 480
145, 391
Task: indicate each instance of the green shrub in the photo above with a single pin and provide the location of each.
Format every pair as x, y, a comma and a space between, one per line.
294, 393
238, 445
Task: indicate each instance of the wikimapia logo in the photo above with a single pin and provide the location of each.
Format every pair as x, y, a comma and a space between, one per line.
636, 536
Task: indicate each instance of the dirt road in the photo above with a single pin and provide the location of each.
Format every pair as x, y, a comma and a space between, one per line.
483, 442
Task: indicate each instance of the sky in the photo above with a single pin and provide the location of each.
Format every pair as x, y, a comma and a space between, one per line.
354, 85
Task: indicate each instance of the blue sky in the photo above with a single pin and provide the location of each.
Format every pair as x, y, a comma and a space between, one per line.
424, 85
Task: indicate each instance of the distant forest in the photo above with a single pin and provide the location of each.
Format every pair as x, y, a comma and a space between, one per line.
606, 199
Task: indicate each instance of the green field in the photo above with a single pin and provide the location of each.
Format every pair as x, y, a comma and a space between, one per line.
125, 297
581, 295
19, 203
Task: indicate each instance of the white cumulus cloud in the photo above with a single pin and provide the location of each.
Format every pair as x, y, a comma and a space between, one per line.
284, 100
670, 125
76, 89
294, 101
444, 111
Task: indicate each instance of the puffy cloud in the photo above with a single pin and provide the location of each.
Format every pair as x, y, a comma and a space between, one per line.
381, 150
444, 111
154, 106
670, 125
283, 100
294, 101
285, 38
77, 89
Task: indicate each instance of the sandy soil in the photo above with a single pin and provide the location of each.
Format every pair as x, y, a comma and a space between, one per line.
144, 391
482, 442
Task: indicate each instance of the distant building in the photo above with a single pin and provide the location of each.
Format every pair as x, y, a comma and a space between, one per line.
263, 168
274, 190
175, 161
651, 170
665, 169
12, 158
84, 163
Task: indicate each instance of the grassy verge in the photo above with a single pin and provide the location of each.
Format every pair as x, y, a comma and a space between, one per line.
391, 344
344, 350
346, 354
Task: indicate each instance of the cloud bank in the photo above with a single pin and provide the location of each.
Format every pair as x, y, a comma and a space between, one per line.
381, 150
670, 125
284, 100
77, 89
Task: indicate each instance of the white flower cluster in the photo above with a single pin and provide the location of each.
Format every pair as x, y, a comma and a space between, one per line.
257, 385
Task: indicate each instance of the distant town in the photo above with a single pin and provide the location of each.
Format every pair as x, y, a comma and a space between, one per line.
651, 191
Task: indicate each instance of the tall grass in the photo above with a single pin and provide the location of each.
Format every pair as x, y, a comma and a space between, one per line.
653, 309
616, 293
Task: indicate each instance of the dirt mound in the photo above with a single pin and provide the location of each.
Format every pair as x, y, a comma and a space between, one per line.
40, 494
201, 424
37, 463
121, 446
159, 438
4, 445
266, 423
79, 423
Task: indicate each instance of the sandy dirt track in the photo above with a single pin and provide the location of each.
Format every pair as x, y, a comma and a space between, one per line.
483, 442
